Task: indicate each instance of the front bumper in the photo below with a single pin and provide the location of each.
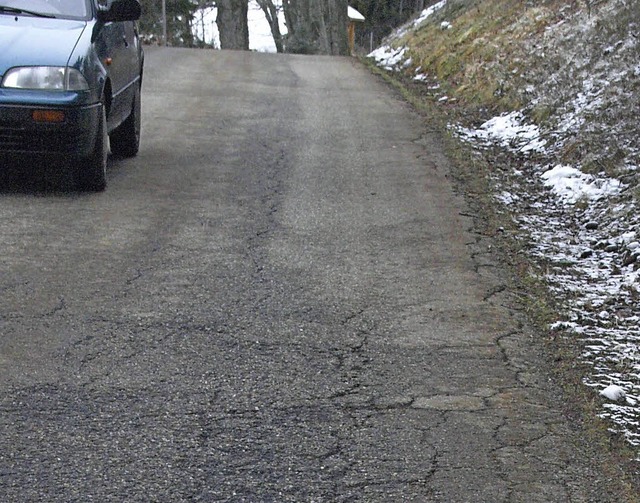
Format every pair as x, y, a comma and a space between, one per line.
74, 136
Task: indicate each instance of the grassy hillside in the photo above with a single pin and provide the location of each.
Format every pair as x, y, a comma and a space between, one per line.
501, 55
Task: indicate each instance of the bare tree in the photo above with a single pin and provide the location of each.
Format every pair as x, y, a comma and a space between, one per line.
232, 24
316, 26
271, 13
336, 22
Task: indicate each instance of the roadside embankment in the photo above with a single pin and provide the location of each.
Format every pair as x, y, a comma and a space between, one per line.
544, 97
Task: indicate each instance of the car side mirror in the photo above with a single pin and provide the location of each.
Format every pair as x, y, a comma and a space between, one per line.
120, 10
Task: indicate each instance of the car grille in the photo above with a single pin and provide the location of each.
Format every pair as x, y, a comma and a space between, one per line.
14, 138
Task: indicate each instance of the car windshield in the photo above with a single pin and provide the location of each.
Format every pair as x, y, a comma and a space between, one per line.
75, 9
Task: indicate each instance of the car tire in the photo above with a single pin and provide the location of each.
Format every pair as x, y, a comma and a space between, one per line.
91, 172
125, 140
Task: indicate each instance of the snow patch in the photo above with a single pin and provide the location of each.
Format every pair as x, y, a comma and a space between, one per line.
427, 13
509, 131
571, 185
613, 392
388, 57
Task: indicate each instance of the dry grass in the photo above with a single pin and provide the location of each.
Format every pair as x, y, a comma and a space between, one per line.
538, 56
482, 58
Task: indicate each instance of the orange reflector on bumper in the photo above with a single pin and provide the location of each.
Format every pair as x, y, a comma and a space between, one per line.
48, 116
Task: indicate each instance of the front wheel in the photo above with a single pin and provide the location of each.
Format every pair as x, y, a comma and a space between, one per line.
91, 172
125, 140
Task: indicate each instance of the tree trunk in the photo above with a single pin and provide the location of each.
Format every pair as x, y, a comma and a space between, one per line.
299, 36
232, 24
271, 13
337, 23
317, 26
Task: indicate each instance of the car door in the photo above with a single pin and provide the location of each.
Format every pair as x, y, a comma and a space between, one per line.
114, 51
130, 68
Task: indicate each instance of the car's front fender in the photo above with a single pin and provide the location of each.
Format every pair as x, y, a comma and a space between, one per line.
85, 58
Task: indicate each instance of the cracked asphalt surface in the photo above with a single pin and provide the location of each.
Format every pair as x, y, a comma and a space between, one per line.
281, 299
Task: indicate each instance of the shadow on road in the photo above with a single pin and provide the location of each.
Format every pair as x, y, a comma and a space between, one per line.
42, 176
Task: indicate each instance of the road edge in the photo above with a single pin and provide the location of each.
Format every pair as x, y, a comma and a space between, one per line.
528, 295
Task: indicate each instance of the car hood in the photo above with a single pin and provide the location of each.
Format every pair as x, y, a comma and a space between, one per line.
28, 41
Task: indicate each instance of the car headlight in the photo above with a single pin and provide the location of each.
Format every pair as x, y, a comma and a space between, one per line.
56, 78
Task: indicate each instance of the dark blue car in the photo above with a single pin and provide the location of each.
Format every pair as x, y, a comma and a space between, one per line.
70, 78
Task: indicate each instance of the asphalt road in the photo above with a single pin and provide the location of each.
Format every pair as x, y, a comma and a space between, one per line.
281, 299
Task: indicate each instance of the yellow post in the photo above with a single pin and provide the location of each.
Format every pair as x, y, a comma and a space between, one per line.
354, 17
352, 37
